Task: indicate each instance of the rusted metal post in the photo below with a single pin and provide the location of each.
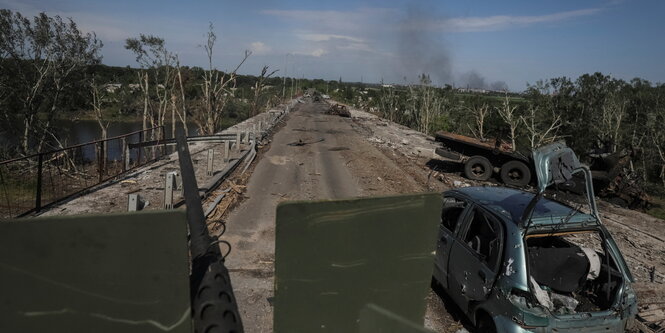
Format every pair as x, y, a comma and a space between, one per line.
38, 194
211, 154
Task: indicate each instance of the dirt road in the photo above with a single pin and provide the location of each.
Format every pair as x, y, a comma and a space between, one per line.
314, 156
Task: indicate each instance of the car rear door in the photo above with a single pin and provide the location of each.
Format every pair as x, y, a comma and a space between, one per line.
475, 257
452, 213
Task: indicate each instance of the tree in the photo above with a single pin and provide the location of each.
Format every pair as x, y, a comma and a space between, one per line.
480, 114
153, 57
99, 98
656, 131
40, 60
430, 104
511, 118
388, 102
613, 112
259, 85
216, 88
540, 132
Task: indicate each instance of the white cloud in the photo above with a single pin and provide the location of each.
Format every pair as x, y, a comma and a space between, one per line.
327, 37
498, 22
333, 20
318, 52
312, 53
259, 48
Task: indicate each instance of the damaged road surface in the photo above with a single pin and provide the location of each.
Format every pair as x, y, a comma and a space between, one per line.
333, 161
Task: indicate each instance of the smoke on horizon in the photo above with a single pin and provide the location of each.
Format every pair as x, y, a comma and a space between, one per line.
422, 49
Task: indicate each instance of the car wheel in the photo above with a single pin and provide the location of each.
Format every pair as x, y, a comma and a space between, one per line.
515, 173
478, 168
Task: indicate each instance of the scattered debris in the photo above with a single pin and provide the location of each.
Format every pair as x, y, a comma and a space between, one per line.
339, 110
300, 142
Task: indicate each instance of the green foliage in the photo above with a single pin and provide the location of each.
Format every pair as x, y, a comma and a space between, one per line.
42, 71
594, 112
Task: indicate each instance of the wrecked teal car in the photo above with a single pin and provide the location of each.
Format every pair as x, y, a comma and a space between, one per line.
515, 261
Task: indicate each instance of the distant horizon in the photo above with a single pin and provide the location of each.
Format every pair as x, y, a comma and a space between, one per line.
482, 45
399, 84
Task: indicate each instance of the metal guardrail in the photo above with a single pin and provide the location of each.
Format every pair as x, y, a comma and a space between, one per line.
31, 183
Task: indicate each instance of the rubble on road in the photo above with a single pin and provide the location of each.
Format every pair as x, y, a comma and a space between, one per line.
339, 110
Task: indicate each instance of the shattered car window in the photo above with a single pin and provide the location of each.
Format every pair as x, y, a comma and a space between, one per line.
484, 237
451, 212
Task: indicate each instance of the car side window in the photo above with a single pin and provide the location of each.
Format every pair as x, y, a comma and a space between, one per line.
485, 236
451, 212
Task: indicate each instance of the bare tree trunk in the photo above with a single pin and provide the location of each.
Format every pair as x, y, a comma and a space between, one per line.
144, 86
183, 116
173, 111
27, 124
507, 113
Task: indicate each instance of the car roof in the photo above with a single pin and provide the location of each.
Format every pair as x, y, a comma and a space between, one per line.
511, 203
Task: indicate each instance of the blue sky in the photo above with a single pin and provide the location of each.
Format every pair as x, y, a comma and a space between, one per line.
462, 42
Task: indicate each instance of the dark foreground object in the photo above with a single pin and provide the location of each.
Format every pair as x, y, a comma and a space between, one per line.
125, 272
214, 307
350, 265
104, 273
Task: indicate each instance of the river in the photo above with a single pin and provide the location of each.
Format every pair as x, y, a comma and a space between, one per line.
82, 131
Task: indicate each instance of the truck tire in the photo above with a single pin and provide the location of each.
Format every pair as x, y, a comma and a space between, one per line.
214, 307
515, 173
478, 168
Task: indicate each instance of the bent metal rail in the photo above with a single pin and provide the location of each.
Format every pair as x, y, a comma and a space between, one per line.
29, 184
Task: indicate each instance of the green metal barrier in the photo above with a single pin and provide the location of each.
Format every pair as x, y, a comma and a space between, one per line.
335, 257
107, 273
375, 319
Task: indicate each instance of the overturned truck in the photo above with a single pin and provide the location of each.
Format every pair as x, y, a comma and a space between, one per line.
612, 178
